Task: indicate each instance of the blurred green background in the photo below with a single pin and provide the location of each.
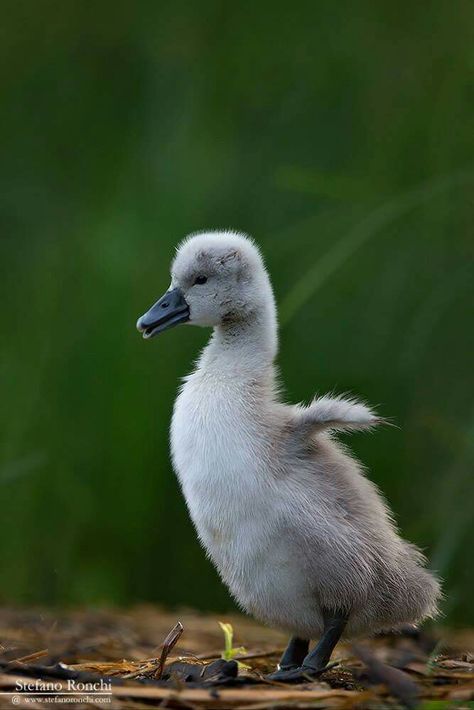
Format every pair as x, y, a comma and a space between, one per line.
341, 136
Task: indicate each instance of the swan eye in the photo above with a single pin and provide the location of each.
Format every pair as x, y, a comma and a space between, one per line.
199, 280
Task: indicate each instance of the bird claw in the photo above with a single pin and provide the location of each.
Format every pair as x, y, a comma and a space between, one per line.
300, 674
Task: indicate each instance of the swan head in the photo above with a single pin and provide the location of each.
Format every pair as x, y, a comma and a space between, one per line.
216, 278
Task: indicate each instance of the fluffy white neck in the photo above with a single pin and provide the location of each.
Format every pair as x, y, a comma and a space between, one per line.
246, 346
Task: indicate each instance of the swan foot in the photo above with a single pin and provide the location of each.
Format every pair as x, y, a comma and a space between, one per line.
301, 674
295, 667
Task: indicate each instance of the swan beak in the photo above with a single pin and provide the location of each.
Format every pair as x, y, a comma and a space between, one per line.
170, 310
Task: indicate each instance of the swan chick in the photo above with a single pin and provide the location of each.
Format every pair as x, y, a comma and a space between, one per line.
302, 538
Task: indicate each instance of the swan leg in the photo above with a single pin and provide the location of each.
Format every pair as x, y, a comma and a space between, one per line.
294, 654
316, 660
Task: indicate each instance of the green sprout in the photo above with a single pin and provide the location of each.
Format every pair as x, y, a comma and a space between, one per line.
229, 653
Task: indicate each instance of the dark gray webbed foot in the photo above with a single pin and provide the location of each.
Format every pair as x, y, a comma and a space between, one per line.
292, 658
300, 674
296, 667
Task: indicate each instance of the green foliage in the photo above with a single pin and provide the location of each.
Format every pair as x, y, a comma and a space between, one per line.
229, 652
340, 136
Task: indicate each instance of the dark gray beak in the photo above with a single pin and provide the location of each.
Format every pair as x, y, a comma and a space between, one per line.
170, 310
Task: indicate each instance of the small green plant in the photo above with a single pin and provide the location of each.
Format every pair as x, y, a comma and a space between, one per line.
229, 653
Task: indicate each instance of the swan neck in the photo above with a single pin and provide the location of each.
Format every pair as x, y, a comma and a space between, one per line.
249, 344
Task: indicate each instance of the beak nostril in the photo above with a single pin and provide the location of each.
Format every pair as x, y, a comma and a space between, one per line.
167, 312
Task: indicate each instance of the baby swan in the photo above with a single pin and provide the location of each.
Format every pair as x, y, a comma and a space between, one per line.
303, 540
